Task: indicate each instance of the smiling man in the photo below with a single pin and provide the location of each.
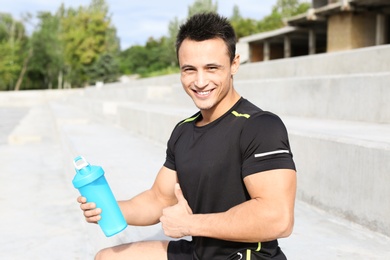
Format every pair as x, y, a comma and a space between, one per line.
229, 180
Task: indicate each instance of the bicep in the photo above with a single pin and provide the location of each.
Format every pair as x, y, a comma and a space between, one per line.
273, 186
164, 186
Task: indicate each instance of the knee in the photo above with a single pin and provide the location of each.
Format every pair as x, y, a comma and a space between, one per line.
102, 255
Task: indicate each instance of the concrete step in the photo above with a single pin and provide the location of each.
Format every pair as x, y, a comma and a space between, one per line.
365, 60
351, 97
343, 168
355, 97
151, 120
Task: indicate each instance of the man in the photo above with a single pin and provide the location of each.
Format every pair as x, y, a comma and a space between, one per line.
229, 180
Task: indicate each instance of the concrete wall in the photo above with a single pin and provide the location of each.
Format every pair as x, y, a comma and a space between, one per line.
349, 30
356, 97
365, 60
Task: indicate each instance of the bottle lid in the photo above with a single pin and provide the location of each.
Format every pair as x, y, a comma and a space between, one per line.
85, 173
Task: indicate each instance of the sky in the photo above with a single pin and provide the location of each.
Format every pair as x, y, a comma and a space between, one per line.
137, 20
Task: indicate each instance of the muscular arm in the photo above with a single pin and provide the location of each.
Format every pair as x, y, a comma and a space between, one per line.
146, 208
267, 216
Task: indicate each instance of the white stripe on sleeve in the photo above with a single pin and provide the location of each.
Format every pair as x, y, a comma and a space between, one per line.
270, 153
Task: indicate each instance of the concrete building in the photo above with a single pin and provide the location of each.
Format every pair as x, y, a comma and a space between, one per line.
329, 26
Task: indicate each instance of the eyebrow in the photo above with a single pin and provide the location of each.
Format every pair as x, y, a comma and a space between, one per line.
214, 65
186, 66
207, 65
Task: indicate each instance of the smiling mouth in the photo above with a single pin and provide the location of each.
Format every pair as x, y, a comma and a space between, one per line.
203, 93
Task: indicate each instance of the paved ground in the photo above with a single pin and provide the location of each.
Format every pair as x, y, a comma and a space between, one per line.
39, 216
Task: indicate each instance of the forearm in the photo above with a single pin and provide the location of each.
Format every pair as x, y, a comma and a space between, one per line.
146, 208
143, 210
252, 221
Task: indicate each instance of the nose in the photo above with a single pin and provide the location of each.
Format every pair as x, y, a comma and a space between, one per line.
201, 80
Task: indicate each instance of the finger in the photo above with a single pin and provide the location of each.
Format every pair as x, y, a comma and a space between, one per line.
92, 213
81, 199
93, 219
88, 206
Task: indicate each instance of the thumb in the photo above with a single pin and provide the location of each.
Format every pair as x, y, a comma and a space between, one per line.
180, 198
179, 193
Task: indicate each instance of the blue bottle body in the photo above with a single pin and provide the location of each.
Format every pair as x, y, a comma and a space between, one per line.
92, 184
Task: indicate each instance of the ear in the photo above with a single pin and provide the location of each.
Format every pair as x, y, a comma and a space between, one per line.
235, 64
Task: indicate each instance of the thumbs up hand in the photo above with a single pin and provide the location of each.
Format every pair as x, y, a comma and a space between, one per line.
175, 220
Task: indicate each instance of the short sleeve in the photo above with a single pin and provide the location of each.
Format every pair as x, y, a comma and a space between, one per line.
264, 144
170, 155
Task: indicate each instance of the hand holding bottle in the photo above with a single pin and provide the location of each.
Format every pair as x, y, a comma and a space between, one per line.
91, 213
97, 200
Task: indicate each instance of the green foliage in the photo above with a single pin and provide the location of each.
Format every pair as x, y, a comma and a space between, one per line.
105, 69
289, 8
201, 6
73, 47
154, 56
47, 61
9, 65
283, 9
159, 56
12, 50
88, 40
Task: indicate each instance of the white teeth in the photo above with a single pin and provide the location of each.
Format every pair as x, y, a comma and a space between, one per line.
203, 92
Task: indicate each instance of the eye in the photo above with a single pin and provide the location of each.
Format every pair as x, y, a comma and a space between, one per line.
212, 68
188, 69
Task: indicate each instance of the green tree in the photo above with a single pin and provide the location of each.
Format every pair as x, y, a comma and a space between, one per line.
13, 41
289, 8
87, 34
200, 6
283, 9
173, 29
46, 65
134, 60
105, 69
242, 26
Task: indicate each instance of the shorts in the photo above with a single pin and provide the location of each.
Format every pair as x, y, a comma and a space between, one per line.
184, 250
180, 250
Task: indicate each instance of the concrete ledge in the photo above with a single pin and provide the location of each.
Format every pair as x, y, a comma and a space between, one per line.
340, 97
355, 97
343, 168
153, 122
171, 94
27, 98
31, 130
364, 60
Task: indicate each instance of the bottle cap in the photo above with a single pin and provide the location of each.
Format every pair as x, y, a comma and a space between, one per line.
85, 173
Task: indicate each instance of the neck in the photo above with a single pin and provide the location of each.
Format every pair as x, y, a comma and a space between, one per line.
210, 115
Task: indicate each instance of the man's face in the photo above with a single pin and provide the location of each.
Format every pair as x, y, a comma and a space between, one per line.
206, 73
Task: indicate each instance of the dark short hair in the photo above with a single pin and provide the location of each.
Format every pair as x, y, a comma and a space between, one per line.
206, 26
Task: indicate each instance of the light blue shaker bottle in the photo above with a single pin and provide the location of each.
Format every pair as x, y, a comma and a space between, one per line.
92, 184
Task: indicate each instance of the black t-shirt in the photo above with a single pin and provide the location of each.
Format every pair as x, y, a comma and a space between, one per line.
211, 162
